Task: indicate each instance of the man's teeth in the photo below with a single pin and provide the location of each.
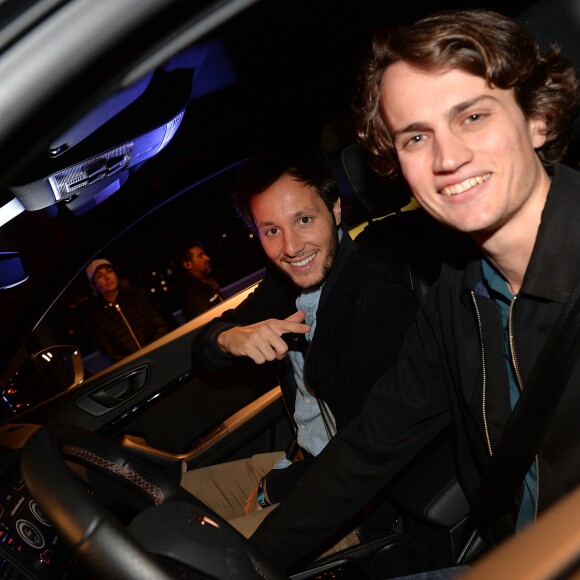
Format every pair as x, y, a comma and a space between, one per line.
465, 185
303, 262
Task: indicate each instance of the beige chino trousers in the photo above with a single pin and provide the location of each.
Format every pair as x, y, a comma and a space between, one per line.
225, 488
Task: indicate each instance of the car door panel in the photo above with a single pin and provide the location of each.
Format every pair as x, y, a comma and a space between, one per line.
153, 395
259, 426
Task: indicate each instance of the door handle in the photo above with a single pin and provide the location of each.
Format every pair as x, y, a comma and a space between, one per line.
122, 388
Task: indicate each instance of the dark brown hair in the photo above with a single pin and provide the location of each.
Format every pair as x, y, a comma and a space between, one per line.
268, 164
483, 43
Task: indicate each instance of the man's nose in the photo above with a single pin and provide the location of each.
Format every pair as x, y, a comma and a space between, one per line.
451, 152
292, 244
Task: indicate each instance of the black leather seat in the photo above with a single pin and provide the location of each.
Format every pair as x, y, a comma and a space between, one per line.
394, 228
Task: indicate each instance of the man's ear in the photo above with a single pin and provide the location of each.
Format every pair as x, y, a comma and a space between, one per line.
187, 264
337, 211
537, 130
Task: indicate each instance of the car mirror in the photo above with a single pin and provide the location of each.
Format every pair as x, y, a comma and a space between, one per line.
45, 374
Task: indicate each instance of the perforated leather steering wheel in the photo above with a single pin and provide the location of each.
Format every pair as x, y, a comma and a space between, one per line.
176, 529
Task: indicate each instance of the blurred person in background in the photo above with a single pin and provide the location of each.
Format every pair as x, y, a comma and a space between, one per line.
123, 319
198, 290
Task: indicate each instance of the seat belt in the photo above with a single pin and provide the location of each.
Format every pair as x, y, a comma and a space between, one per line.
524, 430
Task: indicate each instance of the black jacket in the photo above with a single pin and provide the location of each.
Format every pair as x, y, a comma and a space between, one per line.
115, 326
197, 296
452, 368
364, 312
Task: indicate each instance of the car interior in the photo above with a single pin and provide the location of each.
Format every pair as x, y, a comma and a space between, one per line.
90, 454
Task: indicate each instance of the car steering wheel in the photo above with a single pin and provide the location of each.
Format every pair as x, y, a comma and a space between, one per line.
177, 537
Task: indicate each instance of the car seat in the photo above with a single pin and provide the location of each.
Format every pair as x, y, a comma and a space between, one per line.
389, 223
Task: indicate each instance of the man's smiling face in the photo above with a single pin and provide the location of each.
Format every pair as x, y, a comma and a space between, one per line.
296, 229
465, 148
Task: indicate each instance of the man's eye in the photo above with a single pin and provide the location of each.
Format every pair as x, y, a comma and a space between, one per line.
414, 140
474, 117
271, 232
305, 219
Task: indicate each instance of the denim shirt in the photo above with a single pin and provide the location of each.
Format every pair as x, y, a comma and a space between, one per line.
311, 434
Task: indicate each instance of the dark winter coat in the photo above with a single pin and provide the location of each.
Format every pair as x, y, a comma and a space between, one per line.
122, 327
452, 369
364, 312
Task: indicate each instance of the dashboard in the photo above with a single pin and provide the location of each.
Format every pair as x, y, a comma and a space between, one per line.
30, 547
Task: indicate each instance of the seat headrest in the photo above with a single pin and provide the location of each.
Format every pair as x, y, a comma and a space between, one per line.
361, 186
558, 21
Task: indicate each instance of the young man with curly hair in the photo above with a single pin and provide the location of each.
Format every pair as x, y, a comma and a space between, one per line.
473, 113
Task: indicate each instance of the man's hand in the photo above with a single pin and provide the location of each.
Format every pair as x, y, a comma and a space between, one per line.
252, 504
262, 341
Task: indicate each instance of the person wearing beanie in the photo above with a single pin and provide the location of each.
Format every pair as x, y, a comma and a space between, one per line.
123, 320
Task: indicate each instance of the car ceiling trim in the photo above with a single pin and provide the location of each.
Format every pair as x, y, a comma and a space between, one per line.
90, 28
10, 210
32, 13
205, 22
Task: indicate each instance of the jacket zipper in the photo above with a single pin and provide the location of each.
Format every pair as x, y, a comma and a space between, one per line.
483, 375
521, 388
118, 308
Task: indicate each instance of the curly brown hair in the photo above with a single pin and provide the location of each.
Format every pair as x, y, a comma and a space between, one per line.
481, 42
